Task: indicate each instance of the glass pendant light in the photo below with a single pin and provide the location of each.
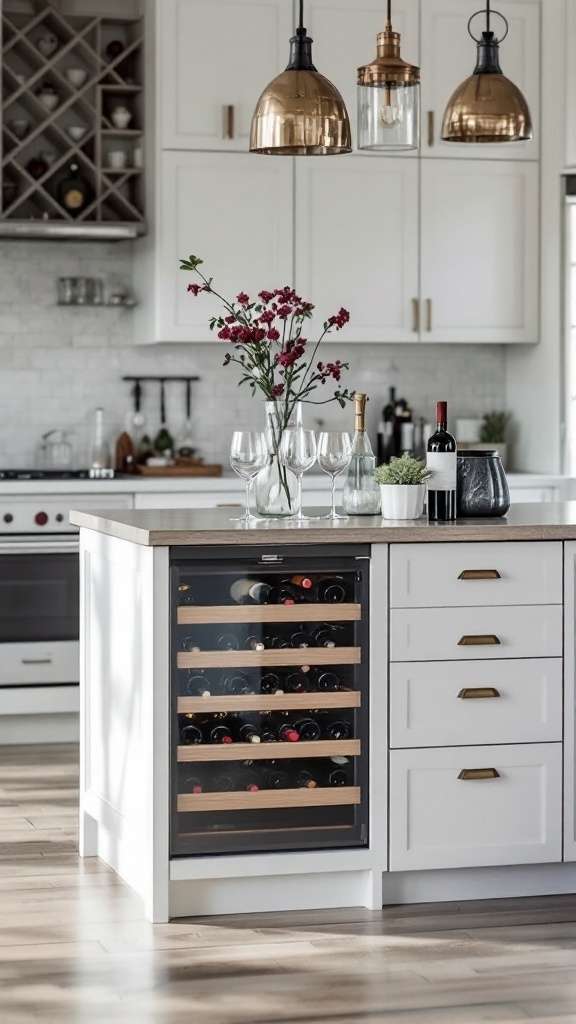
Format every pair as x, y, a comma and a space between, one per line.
487, 107
388, 97
300, 113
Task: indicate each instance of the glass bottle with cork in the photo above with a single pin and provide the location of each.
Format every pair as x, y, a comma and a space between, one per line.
361, 495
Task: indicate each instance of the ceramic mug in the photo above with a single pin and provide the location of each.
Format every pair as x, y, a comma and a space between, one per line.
117, 158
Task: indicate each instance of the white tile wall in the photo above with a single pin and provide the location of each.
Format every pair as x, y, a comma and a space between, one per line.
57, 363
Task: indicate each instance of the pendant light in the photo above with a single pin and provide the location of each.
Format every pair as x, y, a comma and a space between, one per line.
388, 97
487, 107
300, 113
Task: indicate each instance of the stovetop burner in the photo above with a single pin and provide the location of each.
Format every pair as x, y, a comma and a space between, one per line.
57, 474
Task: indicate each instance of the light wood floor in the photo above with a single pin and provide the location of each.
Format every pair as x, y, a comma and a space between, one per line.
74, 948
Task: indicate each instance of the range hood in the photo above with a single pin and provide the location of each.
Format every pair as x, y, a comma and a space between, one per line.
63, 229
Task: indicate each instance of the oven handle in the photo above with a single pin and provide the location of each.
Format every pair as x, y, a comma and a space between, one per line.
27, 546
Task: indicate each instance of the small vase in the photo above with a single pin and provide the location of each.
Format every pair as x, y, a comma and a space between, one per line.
276, 487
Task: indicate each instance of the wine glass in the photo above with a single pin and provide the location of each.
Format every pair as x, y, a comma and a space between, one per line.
297, 452
248, 454
334, 451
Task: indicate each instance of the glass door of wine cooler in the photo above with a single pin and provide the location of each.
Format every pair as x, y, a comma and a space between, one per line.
269, 675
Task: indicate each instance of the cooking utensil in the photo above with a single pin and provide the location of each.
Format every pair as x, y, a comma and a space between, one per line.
163, 442
185, 445
136, 420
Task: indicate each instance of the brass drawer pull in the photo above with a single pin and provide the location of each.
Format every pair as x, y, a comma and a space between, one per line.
467, 774
488, 640
477, 692
415, 315
428, 314
229, 121
430, 127
480, 574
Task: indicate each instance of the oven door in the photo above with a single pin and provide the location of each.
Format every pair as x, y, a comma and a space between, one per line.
39, 611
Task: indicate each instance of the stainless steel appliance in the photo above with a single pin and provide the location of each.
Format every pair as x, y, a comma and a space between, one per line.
39, 599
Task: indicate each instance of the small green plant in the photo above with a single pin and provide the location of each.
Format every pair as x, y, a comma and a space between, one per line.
404, 470
493, 429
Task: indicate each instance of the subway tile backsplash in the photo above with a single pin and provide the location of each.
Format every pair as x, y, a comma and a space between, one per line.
58, 363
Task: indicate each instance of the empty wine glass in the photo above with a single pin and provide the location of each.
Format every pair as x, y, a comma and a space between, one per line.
298, 452
248, 454
334, 451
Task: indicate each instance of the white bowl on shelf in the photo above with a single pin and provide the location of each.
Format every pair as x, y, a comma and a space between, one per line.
19, 126
76, 132
49, 100
76, 76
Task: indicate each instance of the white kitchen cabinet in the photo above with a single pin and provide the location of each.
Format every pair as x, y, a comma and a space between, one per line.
236, 214
448, 57
215, 57
344, 35
442, 818
479, 251
357, 244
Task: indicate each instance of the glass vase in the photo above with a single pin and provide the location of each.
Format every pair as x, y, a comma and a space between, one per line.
276, 487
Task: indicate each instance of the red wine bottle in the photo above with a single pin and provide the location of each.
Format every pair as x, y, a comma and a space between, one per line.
190, 731
302, 582
326, 681
308, 729
326, 635
297, 682
441, 463
275, 778
243, 730
195, 783
330, 590
248, 781
215, 731
285, 731
336, 727
285, 593
271, 683
267, 731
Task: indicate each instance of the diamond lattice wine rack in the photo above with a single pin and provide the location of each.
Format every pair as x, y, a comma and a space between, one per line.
72, 95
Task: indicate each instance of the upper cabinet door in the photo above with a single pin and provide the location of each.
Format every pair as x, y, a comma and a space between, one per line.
215, 59
344, 35
236, 214
479, 269
357, 244
449, 57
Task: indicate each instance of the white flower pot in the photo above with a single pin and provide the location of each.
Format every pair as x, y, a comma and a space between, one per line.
402, 501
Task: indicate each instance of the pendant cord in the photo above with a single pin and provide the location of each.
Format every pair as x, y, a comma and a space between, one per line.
301, 14
487, 15
389, 21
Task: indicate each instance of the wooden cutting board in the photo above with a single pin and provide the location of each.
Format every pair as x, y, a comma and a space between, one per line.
200, 470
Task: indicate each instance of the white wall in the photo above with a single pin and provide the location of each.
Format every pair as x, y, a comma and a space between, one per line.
58, 363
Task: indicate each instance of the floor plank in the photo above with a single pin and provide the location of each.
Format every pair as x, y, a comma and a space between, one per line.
75, 949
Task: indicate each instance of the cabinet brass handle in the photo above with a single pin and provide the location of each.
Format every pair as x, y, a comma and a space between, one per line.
477, 692
36, 661
229, 121
478, 773
415, 315
229, 504
428, 314
484, 640
430, 127
480, 574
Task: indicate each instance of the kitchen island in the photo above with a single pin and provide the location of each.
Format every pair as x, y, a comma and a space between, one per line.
450, 676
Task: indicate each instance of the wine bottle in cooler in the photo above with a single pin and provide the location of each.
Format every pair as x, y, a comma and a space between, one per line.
297, 682
197, 685
336, 727
307, 728
243, 729
361, 496
441, 464
271, 683
330, 590
214, 730
249, 591
190, 730
275, 777
235, 684
283, 729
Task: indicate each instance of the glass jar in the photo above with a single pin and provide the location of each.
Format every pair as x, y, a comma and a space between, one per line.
276, 487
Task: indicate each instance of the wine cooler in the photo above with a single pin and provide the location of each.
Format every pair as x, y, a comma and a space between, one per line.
269, 677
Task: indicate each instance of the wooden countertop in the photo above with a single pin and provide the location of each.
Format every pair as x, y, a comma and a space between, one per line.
171, 527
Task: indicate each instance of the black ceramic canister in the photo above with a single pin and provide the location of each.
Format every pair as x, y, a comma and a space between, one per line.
482, 488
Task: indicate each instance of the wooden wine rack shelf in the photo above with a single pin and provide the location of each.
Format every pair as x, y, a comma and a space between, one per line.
269, 659
190, 616
269, 798
273, 702
269, 751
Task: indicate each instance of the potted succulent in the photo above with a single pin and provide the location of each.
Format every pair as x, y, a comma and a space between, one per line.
402, 487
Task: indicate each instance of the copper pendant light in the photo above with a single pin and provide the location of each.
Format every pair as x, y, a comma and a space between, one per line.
388, 97
300, 113
487, 107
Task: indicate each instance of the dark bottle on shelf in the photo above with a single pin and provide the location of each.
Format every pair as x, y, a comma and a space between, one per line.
223, 780
195, 782
284, 730
336, 776
250, 591
228, 642
235, 684
74, 191
307, 778
301, 639
267, 730
277, 642
274, 777
308, 729
441, 463
326, 635
284, 593
190, 730
197, 685
326, 681
190, 644
248, 781
336, 727
330, 590
271, 683
243, 730
185, 594
214, 730
254, 643
302, 583
297, 682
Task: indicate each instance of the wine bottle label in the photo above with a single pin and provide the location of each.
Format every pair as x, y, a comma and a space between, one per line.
442, 465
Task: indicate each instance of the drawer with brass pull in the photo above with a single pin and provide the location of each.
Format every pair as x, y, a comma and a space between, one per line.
479, 806
462, 634
481, 574
437, 704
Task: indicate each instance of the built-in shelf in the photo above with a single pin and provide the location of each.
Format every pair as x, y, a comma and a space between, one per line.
30, 200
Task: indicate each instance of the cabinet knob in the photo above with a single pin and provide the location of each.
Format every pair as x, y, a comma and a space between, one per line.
229, 121
478, 692
480, 574
483, 640
468, 774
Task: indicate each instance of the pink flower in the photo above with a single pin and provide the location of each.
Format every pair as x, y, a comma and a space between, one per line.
224, 334
266, 296
194, 288
273, 334
266, 317
243, 299
340, 319
278, 390
284, 312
